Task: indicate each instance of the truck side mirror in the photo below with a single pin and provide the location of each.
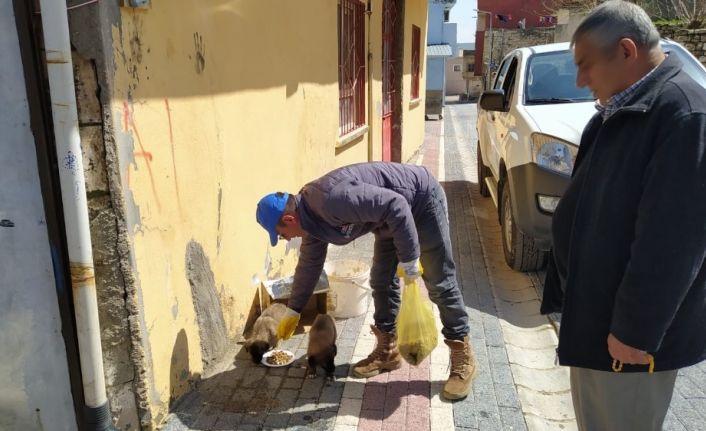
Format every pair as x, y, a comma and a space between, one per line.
493, 100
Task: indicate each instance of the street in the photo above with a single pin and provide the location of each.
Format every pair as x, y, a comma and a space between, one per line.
172, 167
518, 385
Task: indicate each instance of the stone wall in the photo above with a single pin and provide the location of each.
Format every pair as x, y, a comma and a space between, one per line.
505, 40
120, 346
693, 40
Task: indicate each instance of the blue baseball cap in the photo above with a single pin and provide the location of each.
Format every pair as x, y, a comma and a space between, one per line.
269, 212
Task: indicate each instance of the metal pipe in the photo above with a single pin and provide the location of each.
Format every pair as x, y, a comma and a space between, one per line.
490, 60
369, 13
55, 26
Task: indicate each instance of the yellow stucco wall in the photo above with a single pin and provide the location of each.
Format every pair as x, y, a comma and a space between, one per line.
215, 104
413, 115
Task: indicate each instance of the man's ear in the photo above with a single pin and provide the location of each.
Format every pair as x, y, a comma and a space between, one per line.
288, 218
628, 49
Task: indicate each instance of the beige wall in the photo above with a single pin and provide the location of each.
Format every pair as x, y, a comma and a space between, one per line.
215, 104
455, 84
567, 23
413, 112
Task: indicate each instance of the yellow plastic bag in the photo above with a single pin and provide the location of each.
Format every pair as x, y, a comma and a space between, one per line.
416, 326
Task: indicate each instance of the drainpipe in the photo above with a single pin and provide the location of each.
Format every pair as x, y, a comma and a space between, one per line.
55, 26
369, 13
443, 88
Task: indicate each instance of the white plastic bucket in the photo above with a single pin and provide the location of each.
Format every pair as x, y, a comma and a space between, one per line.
349, 288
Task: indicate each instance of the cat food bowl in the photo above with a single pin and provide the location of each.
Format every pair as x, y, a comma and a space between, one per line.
277, 358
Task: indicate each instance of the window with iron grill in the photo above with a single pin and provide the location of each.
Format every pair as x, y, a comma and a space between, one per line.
351, 65
416, 41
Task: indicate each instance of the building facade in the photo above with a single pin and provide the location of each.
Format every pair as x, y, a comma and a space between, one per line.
189, 112
460, 73
496, 18
441, 45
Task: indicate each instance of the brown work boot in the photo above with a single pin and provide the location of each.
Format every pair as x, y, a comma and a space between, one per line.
463, 369
385, 357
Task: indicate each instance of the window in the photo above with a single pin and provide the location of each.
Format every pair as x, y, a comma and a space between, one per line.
416, 40
457, 67
509, 83
501, 74
351, 65
470, 67
551, 78
446, 15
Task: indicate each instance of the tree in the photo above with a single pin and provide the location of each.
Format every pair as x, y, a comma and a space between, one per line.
573, 5
691, 12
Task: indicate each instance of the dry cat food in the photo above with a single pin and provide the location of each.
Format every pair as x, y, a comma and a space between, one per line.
279, 357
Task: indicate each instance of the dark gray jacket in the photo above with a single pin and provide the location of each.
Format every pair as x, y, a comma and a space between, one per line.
630, 232
352, 201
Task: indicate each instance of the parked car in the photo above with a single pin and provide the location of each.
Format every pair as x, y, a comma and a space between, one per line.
529, 128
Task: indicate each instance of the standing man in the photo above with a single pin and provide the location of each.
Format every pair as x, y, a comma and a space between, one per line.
630, 231
405, 207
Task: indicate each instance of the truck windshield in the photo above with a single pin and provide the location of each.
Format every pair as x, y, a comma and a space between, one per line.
551, 78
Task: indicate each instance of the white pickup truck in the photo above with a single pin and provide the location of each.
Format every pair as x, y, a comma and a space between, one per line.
529, 128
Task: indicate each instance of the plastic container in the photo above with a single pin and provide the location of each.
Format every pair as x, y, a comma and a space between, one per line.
349, 293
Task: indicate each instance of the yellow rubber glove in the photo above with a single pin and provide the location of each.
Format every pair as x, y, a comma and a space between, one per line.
288, 324
409, 271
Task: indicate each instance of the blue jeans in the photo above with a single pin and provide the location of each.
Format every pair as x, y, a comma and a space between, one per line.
438, 265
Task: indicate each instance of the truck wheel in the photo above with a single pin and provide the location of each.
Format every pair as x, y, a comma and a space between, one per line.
483, 173
521, 254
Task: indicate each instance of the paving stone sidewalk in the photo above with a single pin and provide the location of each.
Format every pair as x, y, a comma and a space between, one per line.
518, 387
246, 396
543, 411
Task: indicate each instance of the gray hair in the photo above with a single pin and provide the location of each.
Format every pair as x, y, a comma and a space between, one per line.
615, 20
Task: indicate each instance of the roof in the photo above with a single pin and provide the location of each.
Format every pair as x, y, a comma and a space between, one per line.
539, 49
563, 46
443, 50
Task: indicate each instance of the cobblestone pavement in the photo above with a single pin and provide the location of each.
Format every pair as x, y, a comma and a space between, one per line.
688, 407
521, 344
518, 386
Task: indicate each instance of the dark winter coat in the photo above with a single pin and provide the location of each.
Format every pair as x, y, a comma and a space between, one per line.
352, 201
629, 234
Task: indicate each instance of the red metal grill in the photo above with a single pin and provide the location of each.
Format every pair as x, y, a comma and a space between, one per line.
351, 65
389, 77
388, 65
416, 41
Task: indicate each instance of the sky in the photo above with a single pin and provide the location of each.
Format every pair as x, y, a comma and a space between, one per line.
463, 14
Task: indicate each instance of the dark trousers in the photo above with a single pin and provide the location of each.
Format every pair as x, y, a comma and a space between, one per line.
439, 271
608, 401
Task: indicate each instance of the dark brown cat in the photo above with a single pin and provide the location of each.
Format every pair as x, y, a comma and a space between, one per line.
322, 345
264, 333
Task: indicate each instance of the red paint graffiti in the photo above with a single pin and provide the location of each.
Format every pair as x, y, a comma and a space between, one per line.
171, 143
147, 156
126, 116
